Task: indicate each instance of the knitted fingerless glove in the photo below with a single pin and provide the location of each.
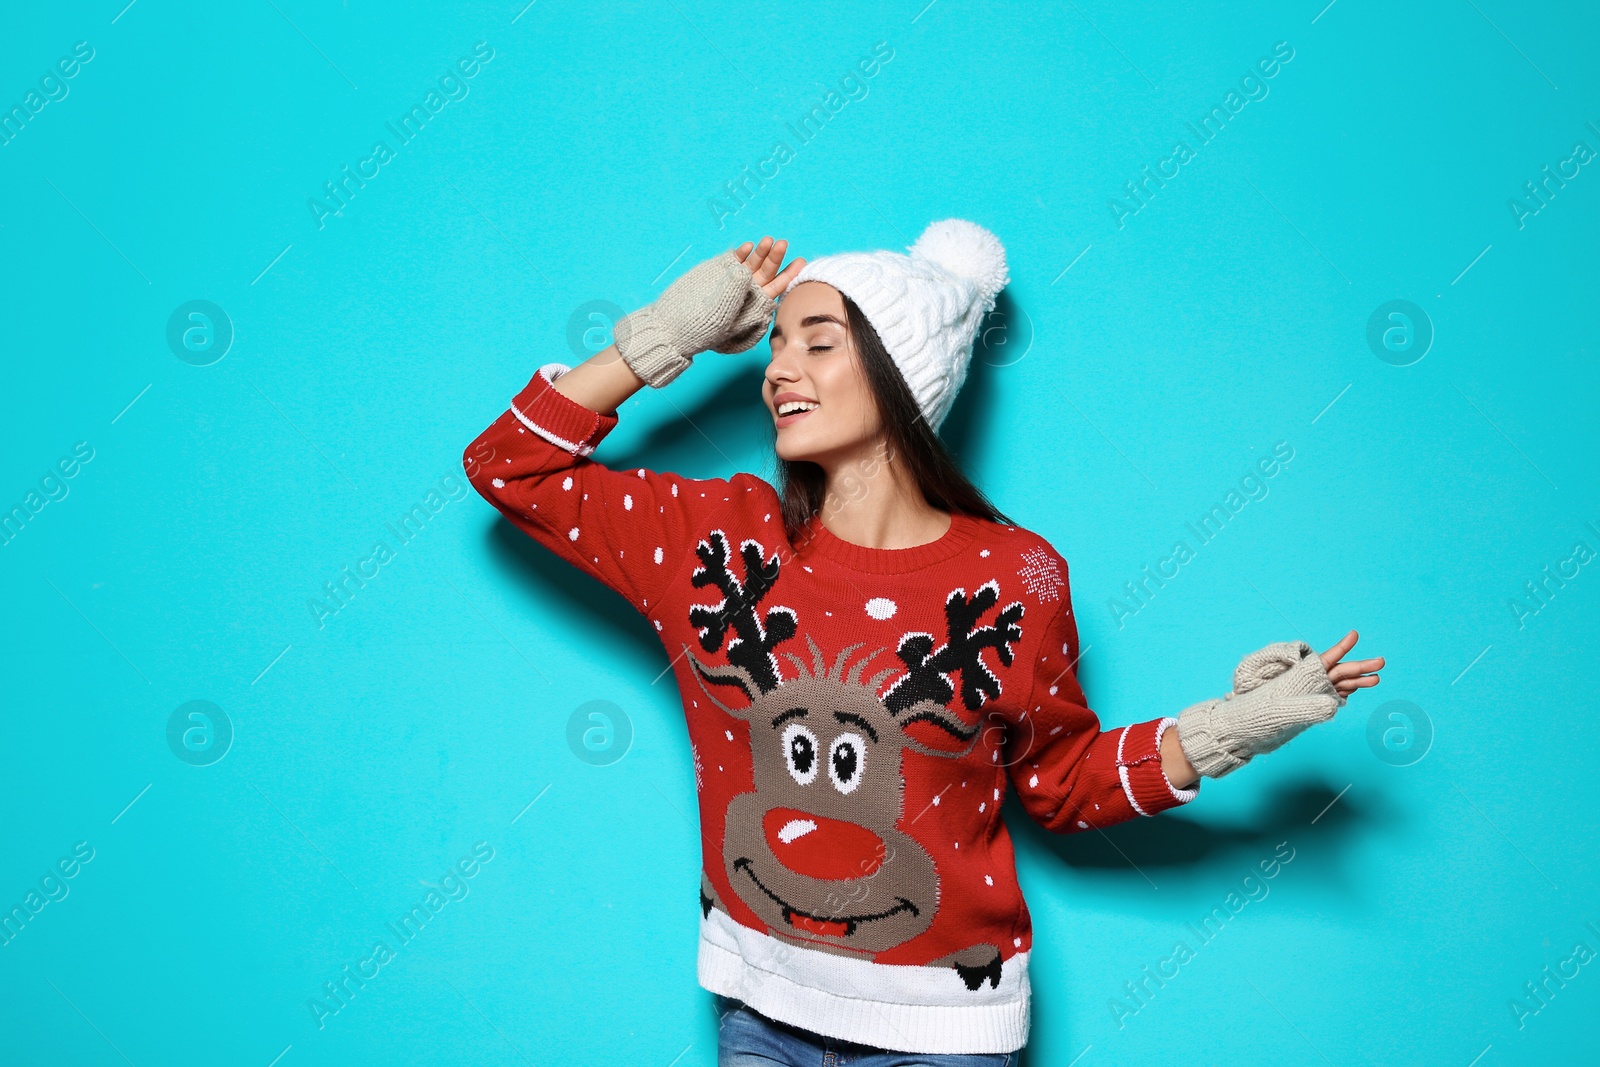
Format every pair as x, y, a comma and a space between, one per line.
1278, 691
714, 306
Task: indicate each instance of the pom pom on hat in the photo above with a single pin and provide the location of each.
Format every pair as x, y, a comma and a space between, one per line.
926, 306
966, 250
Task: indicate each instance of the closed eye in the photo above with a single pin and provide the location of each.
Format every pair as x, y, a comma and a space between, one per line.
813, 348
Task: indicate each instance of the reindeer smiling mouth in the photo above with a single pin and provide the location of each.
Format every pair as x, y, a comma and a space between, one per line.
826, 926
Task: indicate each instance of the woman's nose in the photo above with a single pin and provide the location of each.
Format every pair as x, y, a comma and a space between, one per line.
780, 373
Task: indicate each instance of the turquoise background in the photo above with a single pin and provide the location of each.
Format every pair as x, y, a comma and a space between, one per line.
1112, 403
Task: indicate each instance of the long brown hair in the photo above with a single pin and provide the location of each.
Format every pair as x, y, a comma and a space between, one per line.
908, 439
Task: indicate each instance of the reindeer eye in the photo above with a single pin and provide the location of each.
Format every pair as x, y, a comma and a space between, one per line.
800, 753
845, 759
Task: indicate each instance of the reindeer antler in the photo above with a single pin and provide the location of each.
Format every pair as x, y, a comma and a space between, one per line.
756, 634
929, 669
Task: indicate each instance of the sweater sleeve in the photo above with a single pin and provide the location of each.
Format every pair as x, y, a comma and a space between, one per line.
1069, 773
627, 529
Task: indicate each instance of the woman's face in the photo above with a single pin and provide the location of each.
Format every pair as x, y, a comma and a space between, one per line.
814, 362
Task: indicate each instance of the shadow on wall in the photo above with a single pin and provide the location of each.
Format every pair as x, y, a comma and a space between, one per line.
726, 429
727, 421
1170, 840
547, 582
971, 424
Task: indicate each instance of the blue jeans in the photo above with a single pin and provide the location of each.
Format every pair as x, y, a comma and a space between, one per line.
746, 1038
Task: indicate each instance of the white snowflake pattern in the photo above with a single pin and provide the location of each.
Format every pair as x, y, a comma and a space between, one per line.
695, 752
881, 607
1040, 575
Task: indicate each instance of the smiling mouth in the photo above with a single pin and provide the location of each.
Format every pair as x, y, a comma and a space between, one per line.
794, 416
821, 925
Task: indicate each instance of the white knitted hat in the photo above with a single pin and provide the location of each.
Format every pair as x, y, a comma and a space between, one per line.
925, 306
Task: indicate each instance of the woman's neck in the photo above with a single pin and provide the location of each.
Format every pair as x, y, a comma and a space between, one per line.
875, 503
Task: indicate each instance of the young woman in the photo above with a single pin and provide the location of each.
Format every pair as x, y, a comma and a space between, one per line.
869, 654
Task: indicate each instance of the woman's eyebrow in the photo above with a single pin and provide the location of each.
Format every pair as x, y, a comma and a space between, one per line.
809, 320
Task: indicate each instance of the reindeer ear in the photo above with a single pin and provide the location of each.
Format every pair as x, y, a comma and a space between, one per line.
927, 721
731, 675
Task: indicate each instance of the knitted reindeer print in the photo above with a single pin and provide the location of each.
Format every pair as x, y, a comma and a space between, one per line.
815, 850
855, 717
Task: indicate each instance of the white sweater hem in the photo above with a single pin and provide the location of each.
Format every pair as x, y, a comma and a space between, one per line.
891, 1006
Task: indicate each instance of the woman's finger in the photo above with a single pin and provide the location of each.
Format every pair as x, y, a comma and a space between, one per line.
1352, 684
1348, 671
1336, 653
753, 258
1351, 668
776, 287
767, 269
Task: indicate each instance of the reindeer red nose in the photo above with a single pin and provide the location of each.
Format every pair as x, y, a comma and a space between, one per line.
819, 847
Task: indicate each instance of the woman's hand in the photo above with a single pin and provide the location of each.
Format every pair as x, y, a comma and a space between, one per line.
1357, 674
1278, 691
724, 304
763, 260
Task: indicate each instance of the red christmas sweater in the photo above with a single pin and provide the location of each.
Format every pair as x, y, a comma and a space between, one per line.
855, 715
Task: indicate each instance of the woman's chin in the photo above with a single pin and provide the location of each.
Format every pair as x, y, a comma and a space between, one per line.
792, 453
814, 444
796, 448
